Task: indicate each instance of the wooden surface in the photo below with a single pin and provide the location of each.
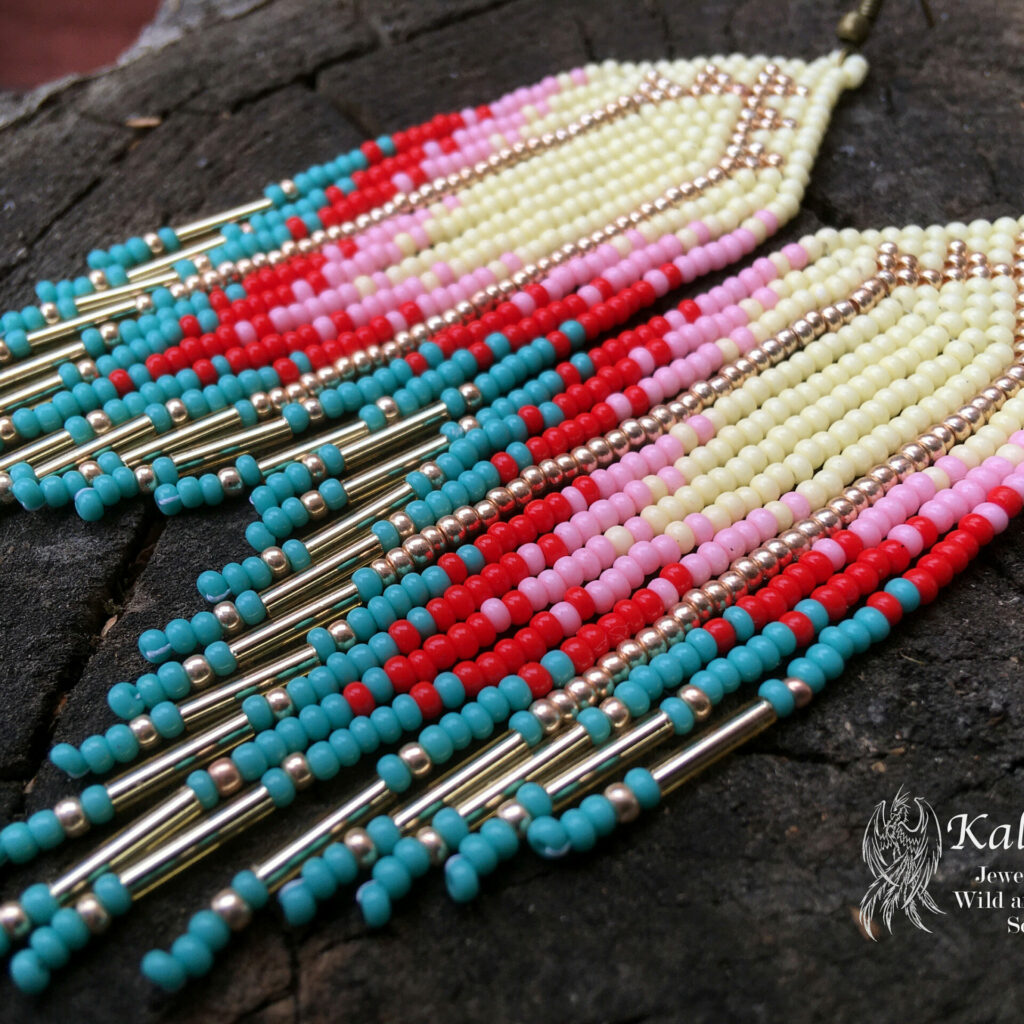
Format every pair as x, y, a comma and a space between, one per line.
737, 899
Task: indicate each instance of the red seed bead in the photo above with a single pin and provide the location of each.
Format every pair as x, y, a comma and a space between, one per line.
531, 643
548, 627
863, 576
888, 605
964, 540
802, 575
846, 587
400, 672
1007, 499
453, 566
121, 381
898, 555
833, 599
650, 605
442, 612
515, 566
440, 650
877, 559
511, 654
754, 609
819, 564
405, 635
679, 576
461, 601
723, 634
787, 588
773, 604
496, 577
480, 590
802, 627
578, 653
493, 667
941, 568
954, 554
978, 527
359, 698
582, 602
464, 641
421, 664
537, 678
518, 607
925, 583
596, 638
470, 676
928, 530
428, 700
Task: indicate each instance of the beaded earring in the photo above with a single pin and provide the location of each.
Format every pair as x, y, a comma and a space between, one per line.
341, 319
784, 507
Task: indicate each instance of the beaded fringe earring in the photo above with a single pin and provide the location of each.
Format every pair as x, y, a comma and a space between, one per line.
848, 450
340, 321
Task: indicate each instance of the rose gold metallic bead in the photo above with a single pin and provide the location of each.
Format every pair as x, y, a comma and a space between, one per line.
857, 498
802, 693
553, 475
632, 652
652, 642
279, 701
549, 717
618, 442
231, 480
617, 712
829, 522
698, 702
567, 466
788, 340
361, 846
231, 909
615, 666
90, 469
416, 759
930, 443
198, 670
435, 846
703, 392
14, 922
900, 465
669, 629
870, 488
917, 454
585, 460
587, 690
621, 797
515, 814
699, 601
72, 817
226, 776
296, 767
91, 911
686, 615
794, 540
767, 564
717, 594
810, 528
342, 634
227, 615
832, 316
563, 704
313, 502
145, 732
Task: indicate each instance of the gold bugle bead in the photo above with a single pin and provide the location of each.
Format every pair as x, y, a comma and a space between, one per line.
339, 532
130, 430
159, 263
338, 435
131, 290
35, 365
220, 449
178, 437
68, 327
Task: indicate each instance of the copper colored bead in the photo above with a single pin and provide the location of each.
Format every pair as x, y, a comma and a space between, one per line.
698, 702
226, 776
802, 693
621, 797
92, 912
231, 909
718, 595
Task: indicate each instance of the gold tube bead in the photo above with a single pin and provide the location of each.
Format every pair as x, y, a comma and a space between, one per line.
178, 437
130, 430
204, 224
144, 270
35, 365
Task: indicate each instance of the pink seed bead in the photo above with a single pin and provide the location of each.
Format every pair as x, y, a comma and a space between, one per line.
567, 616
701, 526
588, 562
765, 523
749, 533
553, 584
604, 549
665, 591
731, 541
631, 569
870, 535
654, 457
574, 496
667, 549
639, 494
645, 555
951, 466
534, 592
970, 490
672, 477
623, 506
921, 485
909, 538
994, 514
570, 570
498, 614
639, 528
698, 568
716, 555
534, 558
604, 512
832, 551
703, 426
587, 525
569, 535
602, 596
617, 582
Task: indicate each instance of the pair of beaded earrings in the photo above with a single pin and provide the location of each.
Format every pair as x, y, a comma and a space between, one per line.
488, 513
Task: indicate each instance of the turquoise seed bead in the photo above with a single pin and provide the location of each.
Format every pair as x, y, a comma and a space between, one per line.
582, 834
777, 694
394, 772
479, 852
50, 947
526, 724
597, 724
451, 826
46, 829
548, 837
501, 836
393, 875
38, 902
600, 812
318, 876
644, 787
112, 893
413, 855
204, 788
68, 924
97, 805
534, 799
210, 928
195, 957
827, 659
162, 969
29, 972
280, 787
342, 863
69, 760
679, 714
808, 671
251, 889
461, 879
384, 833
374, 903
